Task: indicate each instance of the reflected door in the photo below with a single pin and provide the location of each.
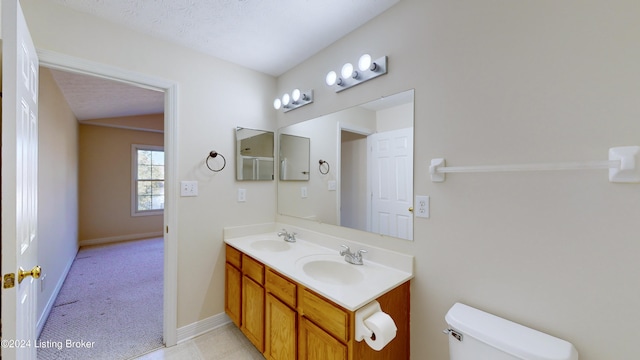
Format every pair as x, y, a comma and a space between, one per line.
392, 183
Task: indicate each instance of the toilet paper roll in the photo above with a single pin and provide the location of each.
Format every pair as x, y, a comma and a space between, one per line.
384, 330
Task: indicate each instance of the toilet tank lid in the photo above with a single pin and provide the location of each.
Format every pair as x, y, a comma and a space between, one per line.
507, 336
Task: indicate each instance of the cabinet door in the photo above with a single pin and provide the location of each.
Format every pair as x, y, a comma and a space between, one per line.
316, 344
253, 312
233, 293
280, 330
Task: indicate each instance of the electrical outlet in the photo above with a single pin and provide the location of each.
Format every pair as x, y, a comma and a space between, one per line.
188, 188
242, 195
332, 185
422, 206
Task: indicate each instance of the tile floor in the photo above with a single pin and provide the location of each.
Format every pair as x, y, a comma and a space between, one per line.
224, 343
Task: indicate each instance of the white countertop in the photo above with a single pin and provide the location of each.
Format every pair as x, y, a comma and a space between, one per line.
370, 280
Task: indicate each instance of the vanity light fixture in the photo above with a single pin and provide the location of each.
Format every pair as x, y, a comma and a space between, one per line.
367, 70
295, 100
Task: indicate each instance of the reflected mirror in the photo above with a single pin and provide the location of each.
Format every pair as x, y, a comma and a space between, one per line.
361, 172
254, 154
294, 157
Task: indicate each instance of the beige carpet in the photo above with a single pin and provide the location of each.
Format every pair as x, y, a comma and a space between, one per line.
110, 305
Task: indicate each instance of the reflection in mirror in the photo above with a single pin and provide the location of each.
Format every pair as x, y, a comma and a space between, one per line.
254, 154
371, 186
294, 157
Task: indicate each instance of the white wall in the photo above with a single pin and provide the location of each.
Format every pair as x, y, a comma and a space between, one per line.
214, 97
500, 82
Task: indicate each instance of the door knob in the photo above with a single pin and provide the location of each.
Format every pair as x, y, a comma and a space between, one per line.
411, 209
35, 272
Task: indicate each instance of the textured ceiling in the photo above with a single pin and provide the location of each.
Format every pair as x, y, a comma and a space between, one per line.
270, 36
96, 98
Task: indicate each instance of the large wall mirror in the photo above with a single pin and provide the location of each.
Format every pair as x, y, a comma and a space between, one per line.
365, 180
254, 154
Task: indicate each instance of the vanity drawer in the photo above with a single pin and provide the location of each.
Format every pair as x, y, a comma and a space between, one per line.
234, 257
324, 313
281, 287
253, 269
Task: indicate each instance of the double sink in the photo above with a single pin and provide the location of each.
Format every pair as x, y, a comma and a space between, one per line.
320, 267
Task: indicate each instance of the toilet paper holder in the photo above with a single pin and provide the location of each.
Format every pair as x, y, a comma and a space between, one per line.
364, 312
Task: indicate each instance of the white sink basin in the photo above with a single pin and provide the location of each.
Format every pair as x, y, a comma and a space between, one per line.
330, 269
271, 245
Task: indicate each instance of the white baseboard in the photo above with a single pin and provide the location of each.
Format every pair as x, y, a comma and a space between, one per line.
47, 309
112, 239
200, 327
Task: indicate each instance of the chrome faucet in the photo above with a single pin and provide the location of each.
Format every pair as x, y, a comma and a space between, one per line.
352, 258
287, 237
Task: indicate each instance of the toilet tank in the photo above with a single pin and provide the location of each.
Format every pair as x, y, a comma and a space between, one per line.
477, 335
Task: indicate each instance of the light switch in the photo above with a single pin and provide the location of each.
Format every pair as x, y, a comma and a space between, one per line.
303, 192
331, 185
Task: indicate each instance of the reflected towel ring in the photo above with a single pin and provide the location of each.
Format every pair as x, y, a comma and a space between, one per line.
213, 154
322, 162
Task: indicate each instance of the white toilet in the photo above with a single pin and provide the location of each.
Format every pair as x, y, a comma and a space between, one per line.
477, 335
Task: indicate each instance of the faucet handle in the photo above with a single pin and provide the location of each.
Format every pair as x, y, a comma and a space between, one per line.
292, 236
359, 253
345, 251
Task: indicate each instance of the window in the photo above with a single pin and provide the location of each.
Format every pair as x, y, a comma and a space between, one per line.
148, 180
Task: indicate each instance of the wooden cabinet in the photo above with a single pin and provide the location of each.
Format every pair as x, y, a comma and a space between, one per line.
287, 321
281, 326
233, 285
253, 312
317, 344
281, 318
253, 300
233, 293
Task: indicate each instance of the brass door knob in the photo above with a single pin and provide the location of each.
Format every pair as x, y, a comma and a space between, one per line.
411, 209
35, 272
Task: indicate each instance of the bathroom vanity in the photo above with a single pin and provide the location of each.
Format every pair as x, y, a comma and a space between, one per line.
299, 300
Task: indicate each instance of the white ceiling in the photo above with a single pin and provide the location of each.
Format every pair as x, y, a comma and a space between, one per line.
270, 36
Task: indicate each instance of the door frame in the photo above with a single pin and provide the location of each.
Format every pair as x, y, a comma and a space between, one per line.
57, 61
342, 126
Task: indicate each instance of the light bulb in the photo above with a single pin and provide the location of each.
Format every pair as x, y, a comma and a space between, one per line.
347, 70
286, 99
331, 78
295, 95
277, 104
364, 63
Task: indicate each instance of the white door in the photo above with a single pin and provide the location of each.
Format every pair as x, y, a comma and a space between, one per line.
392, 183
19, 184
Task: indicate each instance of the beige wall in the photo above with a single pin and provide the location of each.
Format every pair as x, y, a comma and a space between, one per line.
501, 82
214, 97
57, 189
495, 82
105, 184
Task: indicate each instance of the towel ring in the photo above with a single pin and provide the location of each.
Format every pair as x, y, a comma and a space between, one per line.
213, 154
322, 162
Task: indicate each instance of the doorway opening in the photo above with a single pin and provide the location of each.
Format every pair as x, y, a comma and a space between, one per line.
169, 228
